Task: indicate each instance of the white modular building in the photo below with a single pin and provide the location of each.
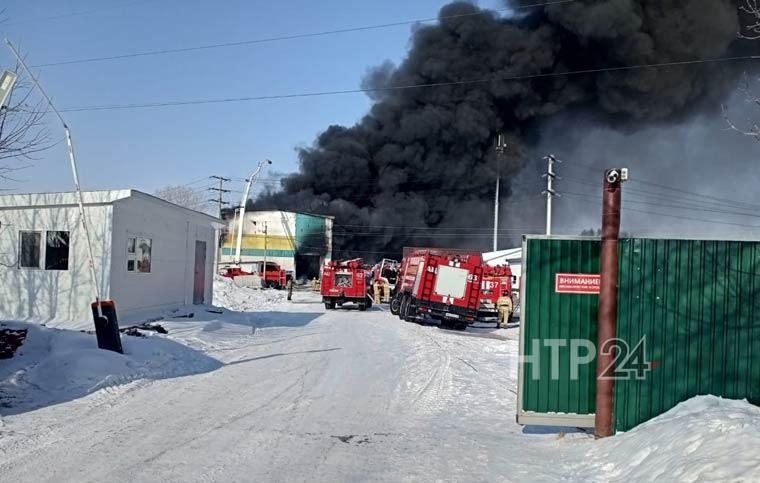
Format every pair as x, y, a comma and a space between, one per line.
149, 255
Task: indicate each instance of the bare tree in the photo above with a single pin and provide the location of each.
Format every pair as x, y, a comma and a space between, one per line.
184, 196
750, 10
23, 132
750, 128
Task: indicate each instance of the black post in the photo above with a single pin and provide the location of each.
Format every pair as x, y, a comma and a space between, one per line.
107, 326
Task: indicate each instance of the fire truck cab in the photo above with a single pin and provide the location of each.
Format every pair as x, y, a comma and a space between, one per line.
346, 281
441, 284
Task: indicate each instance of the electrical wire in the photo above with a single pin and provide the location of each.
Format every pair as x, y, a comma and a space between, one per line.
76, 14
701, 220
292, 36
193, 102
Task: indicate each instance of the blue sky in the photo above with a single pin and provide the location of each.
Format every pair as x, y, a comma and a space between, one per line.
150, 148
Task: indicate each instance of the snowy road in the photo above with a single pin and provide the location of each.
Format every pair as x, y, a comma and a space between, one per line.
303, 395
342, 395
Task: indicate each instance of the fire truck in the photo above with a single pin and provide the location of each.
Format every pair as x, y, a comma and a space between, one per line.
386, 272
346, 281
439, 283
276, 277
497, 282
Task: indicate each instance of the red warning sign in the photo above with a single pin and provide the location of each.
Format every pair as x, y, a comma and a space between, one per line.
582, 283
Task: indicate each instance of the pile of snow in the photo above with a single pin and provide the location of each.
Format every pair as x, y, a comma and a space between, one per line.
706, 438
55, 365
243, 299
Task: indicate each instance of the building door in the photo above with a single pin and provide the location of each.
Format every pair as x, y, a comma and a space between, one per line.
199, 282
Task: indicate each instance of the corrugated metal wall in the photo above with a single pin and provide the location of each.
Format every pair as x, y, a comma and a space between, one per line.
696, 305
548, 315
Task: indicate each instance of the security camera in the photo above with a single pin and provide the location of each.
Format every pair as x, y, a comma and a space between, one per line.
613, 176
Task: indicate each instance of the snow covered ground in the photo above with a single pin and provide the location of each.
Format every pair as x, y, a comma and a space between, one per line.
271, 390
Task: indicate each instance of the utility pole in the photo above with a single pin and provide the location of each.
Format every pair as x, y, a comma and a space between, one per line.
501, 146
550, 193
106, 323
265, 254
607, 315
221, 191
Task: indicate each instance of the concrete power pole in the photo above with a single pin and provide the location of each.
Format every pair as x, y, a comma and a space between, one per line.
221, 191
501, 146
550, 193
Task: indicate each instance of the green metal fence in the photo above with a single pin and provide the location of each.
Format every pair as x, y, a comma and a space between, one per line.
695, 304
547, 319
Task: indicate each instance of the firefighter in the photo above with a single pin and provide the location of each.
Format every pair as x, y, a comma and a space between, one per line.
504, 306
376, 288
386, 292
289, 283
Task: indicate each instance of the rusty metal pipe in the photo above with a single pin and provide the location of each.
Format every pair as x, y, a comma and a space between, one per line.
605, 359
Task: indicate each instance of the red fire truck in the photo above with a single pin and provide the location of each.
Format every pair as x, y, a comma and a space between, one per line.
440, 283
497, 282
346, 281
276, 277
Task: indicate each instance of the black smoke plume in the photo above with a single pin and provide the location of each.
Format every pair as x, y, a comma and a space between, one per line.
419, 169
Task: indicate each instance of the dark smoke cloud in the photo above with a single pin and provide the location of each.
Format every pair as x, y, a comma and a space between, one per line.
422, 160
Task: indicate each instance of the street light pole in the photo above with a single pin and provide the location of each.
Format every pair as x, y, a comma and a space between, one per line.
501, 146
74, 172
243, 201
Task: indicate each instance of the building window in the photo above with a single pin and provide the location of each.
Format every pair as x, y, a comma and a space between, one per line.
57, 250
138, 255
29, 250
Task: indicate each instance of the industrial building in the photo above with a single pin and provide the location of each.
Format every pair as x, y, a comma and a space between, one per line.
150, 255
299, 242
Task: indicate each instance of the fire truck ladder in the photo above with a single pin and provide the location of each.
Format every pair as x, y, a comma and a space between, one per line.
428, 281
473, 298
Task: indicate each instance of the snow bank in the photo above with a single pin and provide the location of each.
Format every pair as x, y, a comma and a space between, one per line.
706, 438
244, 299
56, 365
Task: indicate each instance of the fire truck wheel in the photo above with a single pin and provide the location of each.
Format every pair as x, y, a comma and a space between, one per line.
460, 326
408, 312
402, 307
330, 304
362, 306
395, 305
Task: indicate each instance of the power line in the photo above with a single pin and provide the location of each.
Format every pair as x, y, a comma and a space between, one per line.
721, 203
701, 196
291, 36
78, 13
407, 86
701, 220
679, 207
